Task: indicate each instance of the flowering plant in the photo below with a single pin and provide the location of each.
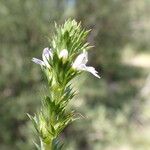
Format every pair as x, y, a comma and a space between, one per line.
66, 59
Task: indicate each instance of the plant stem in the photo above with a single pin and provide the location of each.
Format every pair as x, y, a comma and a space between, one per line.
48, 146
45, 146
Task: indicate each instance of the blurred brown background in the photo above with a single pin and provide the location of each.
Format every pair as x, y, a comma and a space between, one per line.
116, 106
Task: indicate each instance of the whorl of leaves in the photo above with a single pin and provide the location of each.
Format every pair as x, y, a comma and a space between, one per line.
70, 36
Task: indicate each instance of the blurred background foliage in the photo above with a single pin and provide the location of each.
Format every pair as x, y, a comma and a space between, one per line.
115, 108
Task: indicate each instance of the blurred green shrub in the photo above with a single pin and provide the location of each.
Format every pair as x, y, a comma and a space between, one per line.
109, 104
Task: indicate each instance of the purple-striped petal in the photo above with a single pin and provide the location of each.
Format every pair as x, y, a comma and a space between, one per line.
38, 61
47, 53
46, 56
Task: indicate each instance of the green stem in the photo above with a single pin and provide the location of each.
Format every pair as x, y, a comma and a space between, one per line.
45, 146
48, 146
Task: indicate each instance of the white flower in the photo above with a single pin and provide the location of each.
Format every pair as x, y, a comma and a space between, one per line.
80, 64
46, 55
63, 54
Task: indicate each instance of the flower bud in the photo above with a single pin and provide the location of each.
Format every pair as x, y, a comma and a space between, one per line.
63, 54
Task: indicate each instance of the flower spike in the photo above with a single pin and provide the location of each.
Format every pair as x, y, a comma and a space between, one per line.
60, 68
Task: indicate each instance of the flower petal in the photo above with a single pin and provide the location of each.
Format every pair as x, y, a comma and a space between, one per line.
38, 61
81, 59
46, 55
81, 67
63, 54
93, 71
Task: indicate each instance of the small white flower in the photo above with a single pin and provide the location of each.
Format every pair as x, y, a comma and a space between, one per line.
80, 64
46, 55
63, 54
